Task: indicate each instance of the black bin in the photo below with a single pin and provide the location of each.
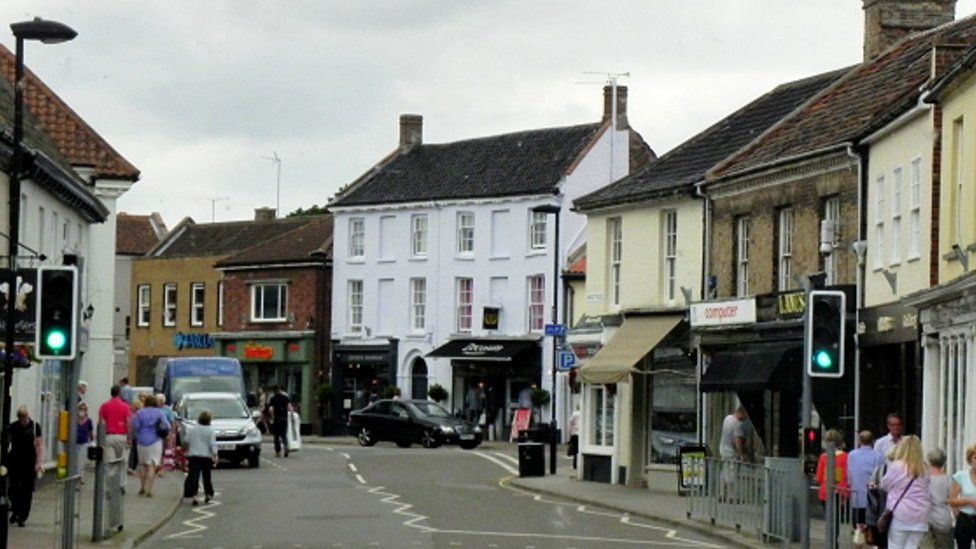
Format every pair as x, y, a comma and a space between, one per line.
531, 458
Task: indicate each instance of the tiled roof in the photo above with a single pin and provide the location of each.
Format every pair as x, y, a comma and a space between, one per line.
76, 140
578, 267
137, 234
848, 108
686, 164
189, 239
528, 162
295, 246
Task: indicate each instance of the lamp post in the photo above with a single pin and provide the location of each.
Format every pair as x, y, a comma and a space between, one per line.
48, 32
554, 210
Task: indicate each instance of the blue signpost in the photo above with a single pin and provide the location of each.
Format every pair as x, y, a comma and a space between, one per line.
567, 359
556, 330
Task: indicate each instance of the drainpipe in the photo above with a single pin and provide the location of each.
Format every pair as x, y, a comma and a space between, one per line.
860, 250
706, 269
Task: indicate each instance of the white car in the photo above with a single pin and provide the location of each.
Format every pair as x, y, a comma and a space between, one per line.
238, 438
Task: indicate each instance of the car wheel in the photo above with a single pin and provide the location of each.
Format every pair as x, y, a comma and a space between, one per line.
365, 437
429, 440
253, 462
469, 445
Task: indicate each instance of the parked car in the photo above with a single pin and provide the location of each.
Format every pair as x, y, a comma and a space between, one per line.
238, 438
407, 422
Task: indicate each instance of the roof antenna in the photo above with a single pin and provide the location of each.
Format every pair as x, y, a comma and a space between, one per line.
611, 81
276, 160
213, 204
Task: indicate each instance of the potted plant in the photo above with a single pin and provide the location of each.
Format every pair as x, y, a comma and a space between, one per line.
391, 391
540, 397
324, 393
437, 393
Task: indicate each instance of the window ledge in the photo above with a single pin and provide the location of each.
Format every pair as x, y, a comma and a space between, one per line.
269, 320
464, 257
356, 260
531, 253
415, 335
913, 259
418, 258
387, 260
499, 257
894, 264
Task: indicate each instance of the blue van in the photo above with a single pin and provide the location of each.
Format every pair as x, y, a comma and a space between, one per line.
178, 376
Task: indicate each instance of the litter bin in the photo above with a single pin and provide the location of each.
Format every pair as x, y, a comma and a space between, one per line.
531, 459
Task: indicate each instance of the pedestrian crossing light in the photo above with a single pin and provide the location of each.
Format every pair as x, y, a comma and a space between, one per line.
824, 331
57, 313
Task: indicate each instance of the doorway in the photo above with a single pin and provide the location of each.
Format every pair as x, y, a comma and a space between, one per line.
418, 379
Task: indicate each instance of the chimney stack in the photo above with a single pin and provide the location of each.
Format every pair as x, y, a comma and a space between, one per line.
621, 105
264, 214
888, 21
411, 130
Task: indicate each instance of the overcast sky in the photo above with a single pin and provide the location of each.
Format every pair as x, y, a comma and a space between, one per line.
197, 94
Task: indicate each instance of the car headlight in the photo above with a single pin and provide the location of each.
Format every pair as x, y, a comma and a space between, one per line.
477, 429
446, 429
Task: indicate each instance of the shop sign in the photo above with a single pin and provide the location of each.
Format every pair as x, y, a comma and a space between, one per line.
481, 349
25, 304
791, 303
192, 341
723, 313
584, 351
256, 351
489, 318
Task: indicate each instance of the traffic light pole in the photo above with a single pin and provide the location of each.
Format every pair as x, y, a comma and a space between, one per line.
806, 405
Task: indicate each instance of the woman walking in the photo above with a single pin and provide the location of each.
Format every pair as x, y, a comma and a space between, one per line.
150, 427
133, 462
962, 499
201, 451
907, 486
939, 535
84, 436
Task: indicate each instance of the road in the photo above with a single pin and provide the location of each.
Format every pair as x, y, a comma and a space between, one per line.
386, 496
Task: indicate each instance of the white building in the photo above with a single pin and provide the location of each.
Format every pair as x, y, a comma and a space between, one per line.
437, 235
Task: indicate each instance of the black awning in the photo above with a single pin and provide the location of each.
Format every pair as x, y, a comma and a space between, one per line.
483, 349
753, 367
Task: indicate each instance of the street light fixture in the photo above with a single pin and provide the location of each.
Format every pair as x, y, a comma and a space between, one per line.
47, 32
554, 210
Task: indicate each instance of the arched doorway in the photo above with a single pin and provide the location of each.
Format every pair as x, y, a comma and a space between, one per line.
418, 379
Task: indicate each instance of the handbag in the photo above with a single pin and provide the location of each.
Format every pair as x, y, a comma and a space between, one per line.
884, 523
161, 430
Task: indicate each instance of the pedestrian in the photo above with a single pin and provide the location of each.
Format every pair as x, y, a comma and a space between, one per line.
150, 427
907, 486
26, 458
82, 389
115, 414
133, 446
201, 451
84, 436
278, 407
168, 457
736, 441
126, 390
840, 467
887, 443
962, 499
861, 464
574, 421
939, 535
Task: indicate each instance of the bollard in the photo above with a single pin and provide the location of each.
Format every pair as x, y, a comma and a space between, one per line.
98, 523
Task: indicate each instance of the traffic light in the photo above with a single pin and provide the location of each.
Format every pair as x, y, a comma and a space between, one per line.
826, 315
811, 441
57, 313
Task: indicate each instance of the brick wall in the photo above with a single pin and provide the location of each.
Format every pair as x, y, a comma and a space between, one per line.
887, 21
762, 206
301, 304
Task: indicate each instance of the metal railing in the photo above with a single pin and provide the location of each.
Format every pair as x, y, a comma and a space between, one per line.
66, 508
749, 497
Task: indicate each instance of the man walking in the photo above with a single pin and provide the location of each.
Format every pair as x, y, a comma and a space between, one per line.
861, 463
114, 413
885, 444
279, 423
126, 390
736, 441
26, 462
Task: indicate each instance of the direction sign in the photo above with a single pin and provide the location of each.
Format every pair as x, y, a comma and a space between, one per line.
557, 330
566, 361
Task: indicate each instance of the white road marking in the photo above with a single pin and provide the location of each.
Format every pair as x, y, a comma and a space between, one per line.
534, 535
194, 526
345, 455
360, 479
507, 457
275, 465
352, 467
496, 461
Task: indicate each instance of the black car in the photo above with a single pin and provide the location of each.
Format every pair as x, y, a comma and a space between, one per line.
406, 422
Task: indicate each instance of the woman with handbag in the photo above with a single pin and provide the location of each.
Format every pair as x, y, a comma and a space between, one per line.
962, 499
906, 516
151, 428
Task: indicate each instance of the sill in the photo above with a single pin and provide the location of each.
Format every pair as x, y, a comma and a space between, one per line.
196, 325
416, 335
913, 259
356, 260
418, 258
142, 325
387, 260
877, 268
499, 257
173, 325
464, 257
535, 252
894, 264
269, 320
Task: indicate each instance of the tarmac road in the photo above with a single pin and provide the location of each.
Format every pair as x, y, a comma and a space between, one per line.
386, 496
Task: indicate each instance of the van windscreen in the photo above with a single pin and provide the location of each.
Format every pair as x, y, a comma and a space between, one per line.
205, 384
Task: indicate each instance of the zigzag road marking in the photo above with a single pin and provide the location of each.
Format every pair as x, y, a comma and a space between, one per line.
402, 509
193, 524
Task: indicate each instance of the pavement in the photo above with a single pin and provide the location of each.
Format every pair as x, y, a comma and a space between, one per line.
142, 516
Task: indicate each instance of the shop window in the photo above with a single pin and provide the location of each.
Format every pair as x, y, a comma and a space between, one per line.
169, 304
269, 302
954, 374
144, 294
197, 295
601, 416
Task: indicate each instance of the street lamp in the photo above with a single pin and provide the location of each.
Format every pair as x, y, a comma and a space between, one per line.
48, 32
554, 210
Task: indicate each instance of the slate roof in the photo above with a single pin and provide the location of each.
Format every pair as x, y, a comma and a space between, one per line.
189, 239
680, 168
513, 164
76, 140
138, 234
847, 110
295, 246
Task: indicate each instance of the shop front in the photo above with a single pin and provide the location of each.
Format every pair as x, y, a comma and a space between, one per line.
276, 358
890, 372
494, 376
361, 372
638, 399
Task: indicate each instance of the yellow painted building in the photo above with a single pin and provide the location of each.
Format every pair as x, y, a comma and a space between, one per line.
957, 222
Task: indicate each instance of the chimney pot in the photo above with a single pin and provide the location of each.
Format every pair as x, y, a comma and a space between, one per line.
621, 105
411, 130
265, 214
888, 21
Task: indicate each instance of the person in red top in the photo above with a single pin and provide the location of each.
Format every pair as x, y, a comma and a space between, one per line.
840, 466
115, 414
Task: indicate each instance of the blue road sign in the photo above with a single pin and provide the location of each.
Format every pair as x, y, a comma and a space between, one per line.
566, 361
557, 330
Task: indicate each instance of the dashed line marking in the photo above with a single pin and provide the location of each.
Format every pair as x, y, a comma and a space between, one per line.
352, 467
345, 455
360, 479
194, 526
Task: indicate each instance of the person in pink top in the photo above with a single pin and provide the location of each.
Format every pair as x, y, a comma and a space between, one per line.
907, 486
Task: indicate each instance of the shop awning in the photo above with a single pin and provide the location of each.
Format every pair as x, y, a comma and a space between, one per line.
629, 344
753, 367
483, 349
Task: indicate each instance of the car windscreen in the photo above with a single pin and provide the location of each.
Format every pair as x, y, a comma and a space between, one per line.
219, 408
430, 409
205, 384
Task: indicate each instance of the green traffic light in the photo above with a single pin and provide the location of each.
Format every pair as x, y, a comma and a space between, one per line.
823, 359
56, 340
